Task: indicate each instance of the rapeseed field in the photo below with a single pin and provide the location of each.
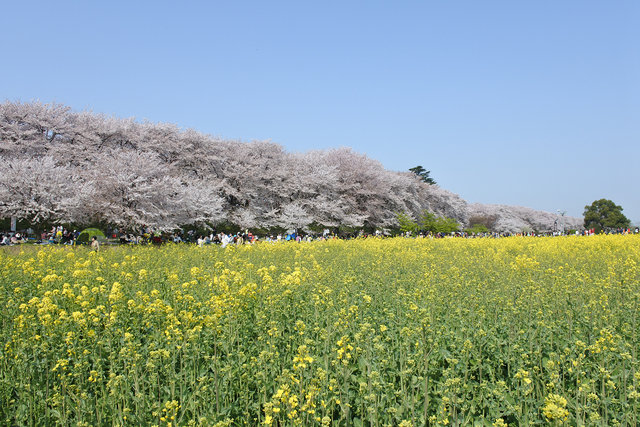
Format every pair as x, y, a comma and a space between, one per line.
395, 332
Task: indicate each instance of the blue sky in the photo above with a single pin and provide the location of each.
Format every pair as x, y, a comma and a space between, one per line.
531, 103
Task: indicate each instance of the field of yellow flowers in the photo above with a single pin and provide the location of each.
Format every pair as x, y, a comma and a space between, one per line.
395, 332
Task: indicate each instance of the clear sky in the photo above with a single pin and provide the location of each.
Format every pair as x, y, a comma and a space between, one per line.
531, 103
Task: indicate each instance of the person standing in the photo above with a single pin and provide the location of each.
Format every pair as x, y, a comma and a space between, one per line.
95, 244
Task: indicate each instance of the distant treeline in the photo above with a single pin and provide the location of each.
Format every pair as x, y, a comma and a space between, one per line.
86, 168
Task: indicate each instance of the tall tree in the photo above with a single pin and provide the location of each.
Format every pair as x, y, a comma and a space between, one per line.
423, 174
603, 214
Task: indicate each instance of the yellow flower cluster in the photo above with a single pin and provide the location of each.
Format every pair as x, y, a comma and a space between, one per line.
555, 407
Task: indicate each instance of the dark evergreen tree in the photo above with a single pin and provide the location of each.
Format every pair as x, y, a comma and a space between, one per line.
423, 174
604, 214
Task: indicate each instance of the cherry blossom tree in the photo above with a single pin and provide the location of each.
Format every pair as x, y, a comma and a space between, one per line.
85, 167
39, 190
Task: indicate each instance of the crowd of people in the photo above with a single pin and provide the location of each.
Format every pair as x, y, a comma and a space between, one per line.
56, 234
7, 239
61, 235
247, 237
